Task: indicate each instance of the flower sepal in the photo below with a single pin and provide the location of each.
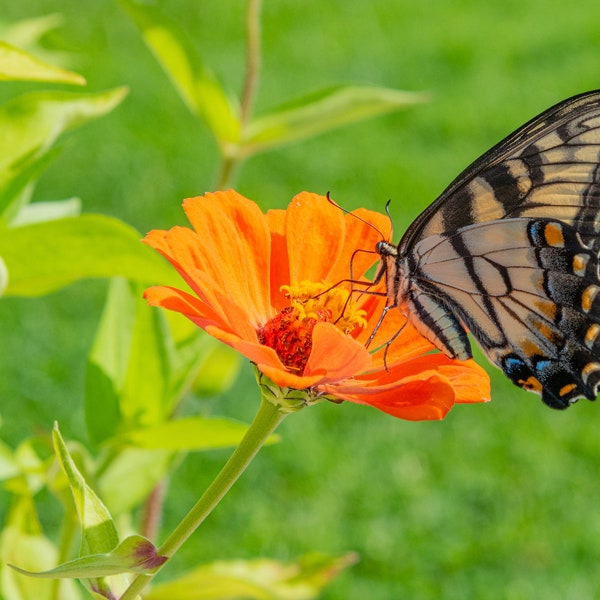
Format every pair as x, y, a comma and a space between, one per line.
287, 400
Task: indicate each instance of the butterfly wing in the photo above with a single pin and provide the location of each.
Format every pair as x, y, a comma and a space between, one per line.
510, 251
548, 168
527, 290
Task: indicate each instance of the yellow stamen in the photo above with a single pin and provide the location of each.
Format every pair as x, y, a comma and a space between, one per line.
289, 332
310, 299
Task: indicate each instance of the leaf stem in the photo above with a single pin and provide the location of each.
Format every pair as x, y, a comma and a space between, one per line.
265, 422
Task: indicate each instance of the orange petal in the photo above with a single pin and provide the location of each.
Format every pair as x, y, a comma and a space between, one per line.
236, 244
203, 314
363, 229
315, 232
423, 397
280, 264
335, 355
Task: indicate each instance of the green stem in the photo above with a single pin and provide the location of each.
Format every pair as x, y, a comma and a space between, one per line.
265, 422
230, 162
252, 59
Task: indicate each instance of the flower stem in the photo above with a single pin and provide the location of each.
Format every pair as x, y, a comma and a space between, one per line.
265, 422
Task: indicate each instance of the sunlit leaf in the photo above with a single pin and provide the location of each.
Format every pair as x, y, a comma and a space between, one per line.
194, 82
202, 363
8, 464
22, 543
218, 371
321, 112
3, 276
135, 554
127, 383
28, 33
98, 531
190, 433
260, 579
32, 122
131, 476
38, 212
44, 257
17, 184
31, 472
19, 65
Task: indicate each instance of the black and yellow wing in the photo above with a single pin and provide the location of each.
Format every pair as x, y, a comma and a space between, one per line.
509, 251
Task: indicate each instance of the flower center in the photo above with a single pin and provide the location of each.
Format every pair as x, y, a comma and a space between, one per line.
289, 333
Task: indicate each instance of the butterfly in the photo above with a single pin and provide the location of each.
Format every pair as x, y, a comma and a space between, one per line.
509, 252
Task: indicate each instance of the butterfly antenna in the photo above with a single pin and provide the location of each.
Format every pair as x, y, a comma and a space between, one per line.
348, 212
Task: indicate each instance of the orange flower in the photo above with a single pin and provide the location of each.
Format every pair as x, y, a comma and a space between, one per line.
263, 284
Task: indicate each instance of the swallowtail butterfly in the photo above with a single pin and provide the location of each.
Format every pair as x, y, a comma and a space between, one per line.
509, 252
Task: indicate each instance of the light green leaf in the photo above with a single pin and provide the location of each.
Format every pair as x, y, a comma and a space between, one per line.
194, 82
145, 395
107, 362
203, 364
3, 276
260, 579
9, 467
127, 383
17, 184
18, 65
99, 533
191, 433
135, 554
22, 544
44, 257
321, 112
32, 122
31, 470
27, 34
38, 212
131, 476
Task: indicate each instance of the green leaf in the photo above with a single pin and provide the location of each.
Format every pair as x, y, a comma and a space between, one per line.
321, 112
22, 543
218, 369
38, 212
128, 372
9, 466
194, 82
3, 276
134, 554
107, 363
30, 125
28, 33
17, 184
43, 257
131, 476
191, 433
260, 579
99, 533
32, 122
18, 65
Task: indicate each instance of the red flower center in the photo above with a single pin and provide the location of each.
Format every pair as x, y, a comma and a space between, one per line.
289, 333
291, 337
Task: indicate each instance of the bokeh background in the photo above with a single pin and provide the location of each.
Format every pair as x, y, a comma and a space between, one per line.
497, 501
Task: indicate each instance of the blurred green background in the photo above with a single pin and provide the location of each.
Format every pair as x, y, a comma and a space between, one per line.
498, 500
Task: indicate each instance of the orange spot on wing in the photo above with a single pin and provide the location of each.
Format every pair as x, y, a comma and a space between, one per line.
553, 234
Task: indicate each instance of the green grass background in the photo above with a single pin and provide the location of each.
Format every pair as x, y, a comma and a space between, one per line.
497, 501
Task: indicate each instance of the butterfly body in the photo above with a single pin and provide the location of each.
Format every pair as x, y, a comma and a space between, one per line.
509, 252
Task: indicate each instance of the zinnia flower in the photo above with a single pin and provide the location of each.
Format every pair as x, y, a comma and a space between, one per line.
269, 286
